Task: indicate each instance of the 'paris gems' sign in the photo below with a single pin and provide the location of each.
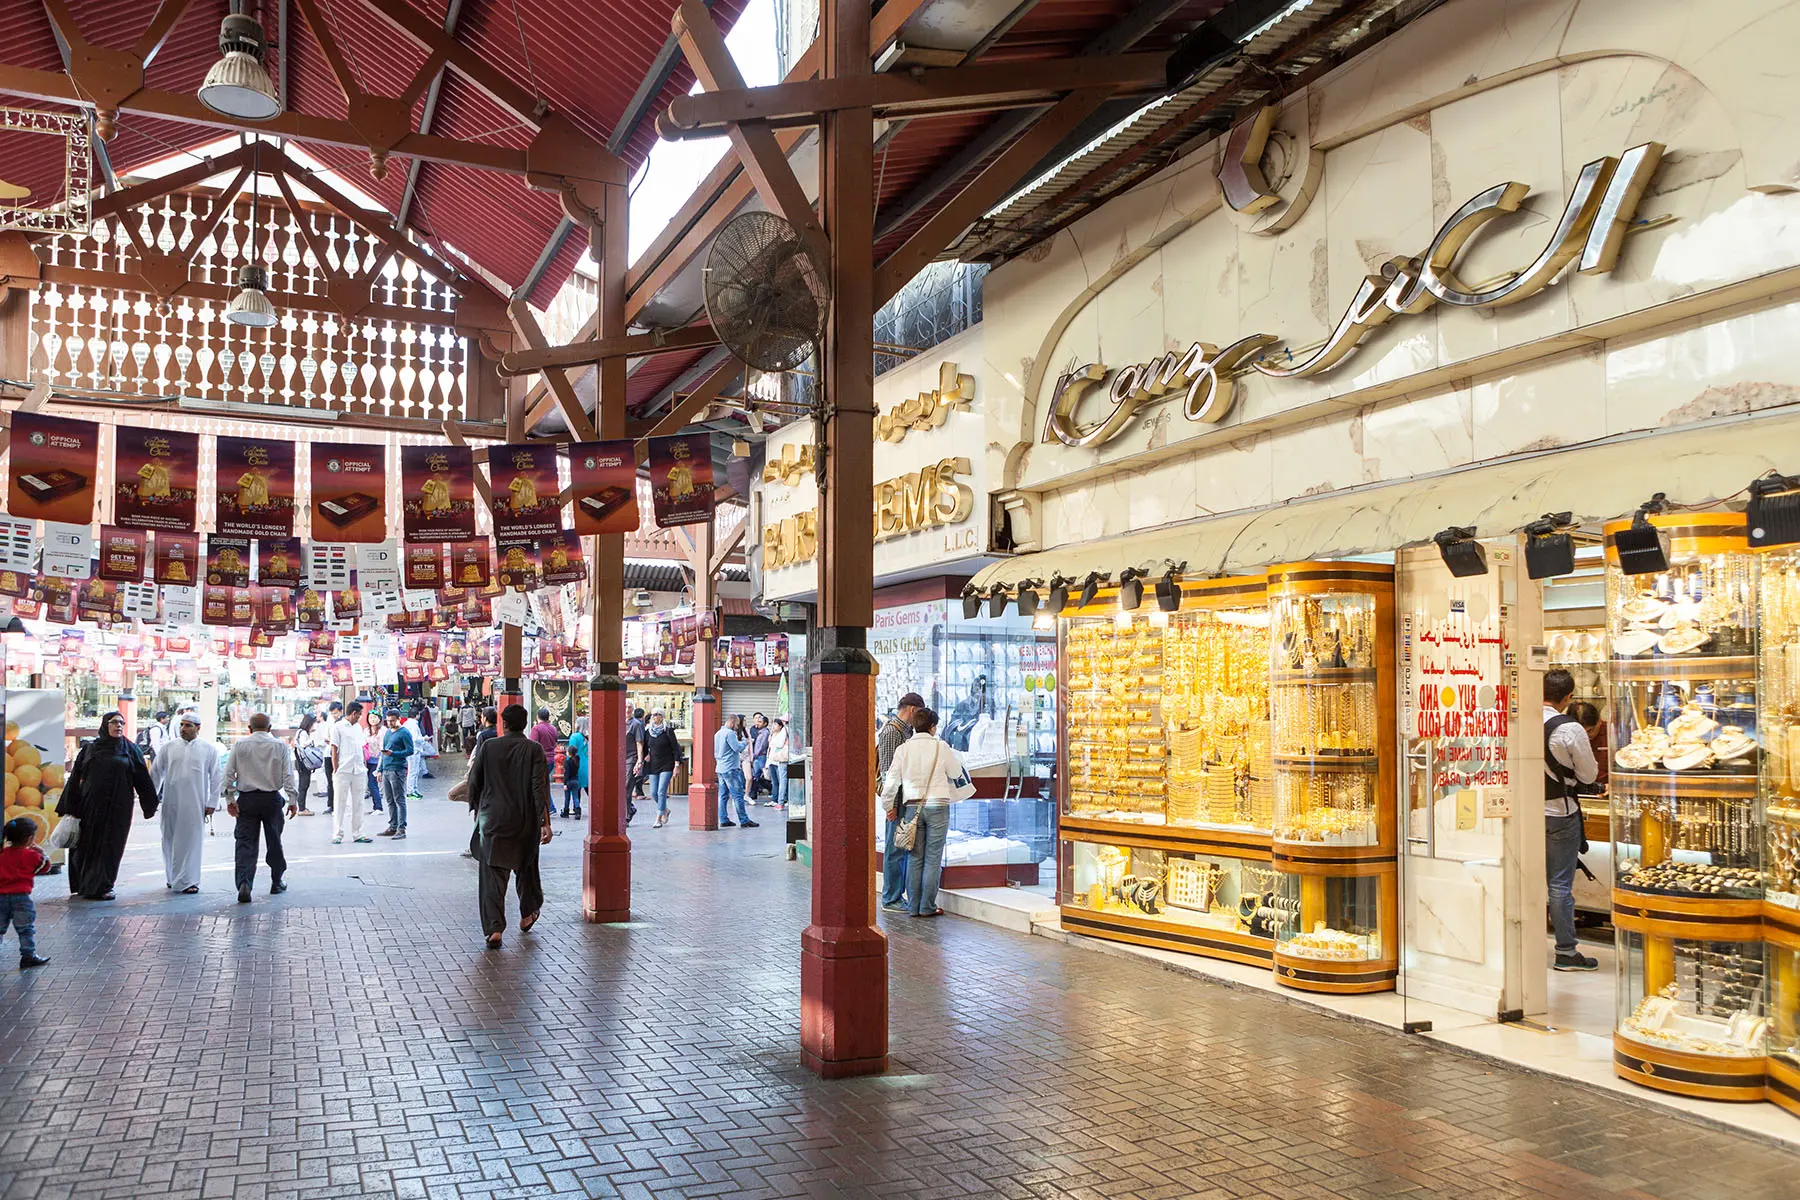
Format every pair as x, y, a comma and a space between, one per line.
1599, 209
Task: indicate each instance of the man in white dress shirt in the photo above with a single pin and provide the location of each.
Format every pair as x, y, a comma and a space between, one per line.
349, 775
186, 772
259, 773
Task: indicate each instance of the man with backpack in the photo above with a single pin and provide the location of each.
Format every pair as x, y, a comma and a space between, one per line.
1568, 763
154, 736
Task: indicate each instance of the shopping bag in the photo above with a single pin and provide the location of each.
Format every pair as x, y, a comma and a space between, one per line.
64, 836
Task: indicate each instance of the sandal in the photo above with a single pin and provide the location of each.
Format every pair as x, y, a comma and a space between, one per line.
525, 923
493, 941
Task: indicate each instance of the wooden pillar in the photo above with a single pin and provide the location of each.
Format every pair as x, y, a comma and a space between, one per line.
606, 861
843, 962
703, 775
511, 689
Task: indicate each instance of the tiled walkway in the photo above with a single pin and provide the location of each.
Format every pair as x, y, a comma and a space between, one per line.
352, 1039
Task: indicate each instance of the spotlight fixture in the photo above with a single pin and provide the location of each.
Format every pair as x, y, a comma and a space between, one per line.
1131, 589
1028, 597
1089, 588
250, 306
997, 600
1059, 593
1643, 549
238, 84
1774, 510
971, 598
1549, 547
1461, 552
1168, 588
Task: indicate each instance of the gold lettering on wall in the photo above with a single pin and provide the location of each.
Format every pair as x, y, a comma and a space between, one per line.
928, 410
930, 497
1595, 217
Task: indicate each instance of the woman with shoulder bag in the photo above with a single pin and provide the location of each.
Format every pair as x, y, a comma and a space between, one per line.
309, 756
928, 775
662, 751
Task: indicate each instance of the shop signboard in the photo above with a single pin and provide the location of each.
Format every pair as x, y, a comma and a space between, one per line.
52, 466
177, 559
559, 556
227, 562
280, 562
603, 487
122, 554
255, 482
437, 493
681, 479
156, 478
523, 482
349, 492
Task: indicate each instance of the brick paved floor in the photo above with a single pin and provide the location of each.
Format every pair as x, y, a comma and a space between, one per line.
351, 1039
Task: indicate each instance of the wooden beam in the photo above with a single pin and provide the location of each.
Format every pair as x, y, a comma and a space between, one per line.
922, 93
161, 26
279, 414
728, 546
341, 71
525, 324
175, 181
595, 350
34, 401
987, 189
464, 61
762, 156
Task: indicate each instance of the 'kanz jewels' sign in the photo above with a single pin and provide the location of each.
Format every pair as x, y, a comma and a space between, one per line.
1600, 208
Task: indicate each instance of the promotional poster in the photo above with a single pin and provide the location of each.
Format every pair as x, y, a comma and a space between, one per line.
34, 757
422, 566
560, 558
15, 583
349, 492
156, 474
97, 600
177, 559
227, 562
311, 614
215, 605
50, 475
347, 605
255, 488
603, 487
280, 562
437, 502
274, 608
681, 479
122, 554
519, 565
471, 563
525, 490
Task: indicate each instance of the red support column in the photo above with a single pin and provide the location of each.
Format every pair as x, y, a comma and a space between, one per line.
843, 957
703, 779
606, 866
511, 691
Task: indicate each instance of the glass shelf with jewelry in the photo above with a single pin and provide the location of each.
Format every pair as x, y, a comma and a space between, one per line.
1685, 712
1115, 748
1332, 733
1215, 904
1780, 724
1693, 1014
1216, 706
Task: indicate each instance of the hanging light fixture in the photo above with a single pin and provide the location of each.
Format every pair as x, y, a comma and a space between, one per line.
1168, 588
1549, 546
1089, 588
1028, 597
971, 602
997, 600
1059, 593
1643, 549
1774, 510
238, 85
1461, 552
1131, 589
250, 306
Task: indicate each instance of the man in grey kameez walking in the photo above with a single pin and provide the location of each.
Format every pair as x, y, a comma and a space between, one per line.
509, 789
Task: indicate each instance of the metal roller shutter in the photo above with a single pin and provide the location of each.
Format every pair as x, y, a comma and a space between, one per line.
749, 696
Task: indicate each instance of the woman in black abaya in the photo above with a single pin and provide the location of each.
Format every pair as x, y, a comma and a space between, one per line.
108, 772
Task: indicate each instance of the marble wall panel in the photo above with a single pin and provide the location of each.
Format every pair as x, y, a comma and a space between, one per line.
1324, 456
1560, 402
1236, 474
1417, 436
1705, 369
1161, 494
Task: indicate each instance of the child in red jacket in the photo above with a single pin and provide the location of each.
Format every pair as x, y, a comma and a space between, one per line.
20, 864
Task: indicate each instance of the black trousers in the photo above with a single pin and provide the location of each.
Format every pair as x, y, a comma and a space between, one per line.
259, 813
491, 889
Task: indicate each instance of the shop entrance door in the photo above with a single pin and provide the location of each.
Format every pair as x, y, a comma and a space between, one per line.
1461, 721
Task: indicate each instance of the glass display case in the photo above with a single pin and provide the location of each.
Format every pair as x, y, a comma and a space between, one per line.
1331, 703
1686, 812
1783, 1080
1115, 748
1779, 724
1215, 706
1219, 905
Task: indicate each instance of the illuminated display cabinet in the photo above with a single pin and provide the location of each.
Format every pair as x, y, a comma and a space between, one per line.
1688, 838
1331, 691
1778, 732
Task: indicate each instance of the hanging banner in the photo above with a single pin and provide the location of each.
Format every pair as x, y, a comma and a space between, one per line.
280, 562
422, 566
156, 478
525, 488
58, 598
341, 671
215, 605
518, 566
68, 550
560, 558
274, 608
97, 600
228, 562
14, 583
311, 613
349, 492
437, 493
681, 479
243, 606
255, 488
347, 605
177, 559
603, 486
471, 563
122, 554
51, 469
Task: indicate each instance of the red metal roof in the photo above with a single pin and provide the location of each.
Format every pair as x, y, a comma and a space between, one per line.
585, 57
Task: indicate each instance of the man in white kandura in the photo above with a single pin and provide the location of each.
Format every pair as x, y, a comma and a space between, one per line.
186, 772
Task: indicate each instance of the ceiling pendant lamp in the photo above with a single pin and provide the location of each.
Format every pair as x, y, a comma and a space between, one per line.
238, 85
251, 306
